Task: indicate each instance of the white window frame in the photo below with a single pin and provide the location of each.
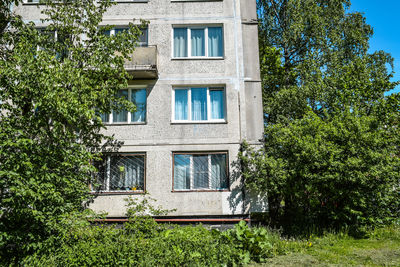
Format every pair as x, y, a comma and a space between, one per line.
129, 88
191, 164
189, 89
189, 41
140, 44
108, 175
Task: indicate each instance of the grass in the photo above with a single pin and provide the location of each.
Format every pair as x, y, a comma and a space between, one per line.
381, 248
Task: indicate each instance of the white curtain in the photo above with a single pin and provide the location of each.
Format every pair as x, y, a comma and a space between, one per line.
218, 171
198, 42
217, 104
138, 97
105, 117
199, 104
127, 173
200, 171
182, 172
215, 47
121, 116
181, 104
180, 42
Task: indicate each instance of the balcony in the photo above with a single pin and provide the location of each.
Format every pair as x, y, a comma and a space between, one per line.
142, 63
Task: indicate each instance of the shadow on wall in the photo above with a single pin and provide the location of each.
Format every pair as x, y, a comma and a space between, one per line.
241, 199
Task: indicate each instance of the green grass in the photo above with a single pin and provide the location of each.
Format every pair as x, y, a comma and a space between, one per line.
381, 248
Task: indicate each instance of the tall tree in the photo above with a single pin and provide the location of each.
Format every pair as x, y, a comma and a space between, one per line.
314, 55
52, 92
330, 157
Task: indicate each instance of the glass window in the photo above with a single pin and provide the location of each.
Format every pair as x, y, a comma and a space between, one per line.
215, 42
200, 171
139, 98
199, 104
120, 173
217, 103
198, 43
142, 40
204, 42
121, 116
180, 42
181, 104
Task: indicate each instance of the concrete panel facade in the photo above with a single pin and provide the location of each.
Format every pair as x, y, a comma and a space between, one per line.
237, 72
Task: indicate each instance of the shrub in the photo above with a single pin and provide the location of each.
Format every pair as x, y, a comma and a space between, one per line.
341, 172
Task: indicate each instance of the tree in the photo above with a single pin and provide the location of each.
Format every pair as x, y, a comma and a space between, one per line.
52, 92
330, 157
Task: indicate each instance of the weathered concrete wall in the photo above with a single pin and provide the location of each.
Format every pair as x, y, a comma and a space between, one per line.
238, 72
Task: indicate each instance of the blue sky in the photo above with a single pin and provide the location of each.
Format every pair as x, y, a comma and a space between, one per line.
383, 16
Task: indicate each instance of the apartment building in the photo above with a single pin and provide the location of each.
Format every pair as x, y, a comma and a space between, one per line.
197, 90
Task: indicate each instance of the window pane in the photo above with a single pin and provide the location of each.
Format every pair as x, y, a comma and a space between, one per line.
143, 38
181, 171
200, 171
218, 171
106, 32
121, 116
198, 42
215, 43
105, 117
181, 104
138, 97
199, 104
217, 104
119, 30
100, 178
180, 42
127, 173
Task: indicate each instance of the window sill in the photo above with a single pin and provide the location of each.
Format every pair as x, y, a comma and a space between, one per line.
196, 0
134, 1
124, 123
197, 58
199, 122
200, 190
104, 193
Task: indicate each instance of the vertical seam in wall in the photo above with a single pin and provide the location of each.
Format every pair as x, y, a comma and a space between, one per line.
237, 85
235, 24
236, 29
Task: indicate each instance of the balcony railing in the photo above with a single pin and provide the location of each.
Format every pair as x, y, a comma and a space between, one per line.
142, 63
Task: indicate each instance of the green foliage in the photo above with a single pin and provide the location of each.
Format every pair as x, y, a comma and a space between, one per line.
330, 158
109, 246
327, 173
51, 94
169, 246
140, 212
255, 244
105, 245
314, 56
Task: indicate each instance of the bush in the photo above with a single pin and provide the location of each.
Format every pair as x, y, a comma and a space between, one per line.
340, 172
109, 246
169, 245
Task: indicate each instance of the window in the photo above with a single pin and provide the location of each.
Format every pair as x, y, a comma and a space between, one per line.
200, 171
55, 38
197, 42
199, 104
142, 41
121, 173
138, 97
